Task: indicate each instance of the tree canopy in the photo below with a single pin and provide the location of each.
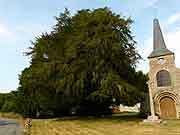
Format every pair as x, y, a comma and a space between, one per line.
86, 61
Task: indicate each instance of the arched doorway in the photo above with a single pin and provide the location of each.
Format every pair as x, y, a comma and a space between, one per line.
168, 108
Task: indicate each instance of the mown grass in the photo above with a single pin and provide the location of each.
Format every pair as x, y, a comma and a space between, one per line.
109, 125
10, 115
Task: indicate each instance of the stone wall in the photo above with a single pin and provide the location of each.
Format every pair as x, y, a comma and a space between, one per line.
155, 67
135, 108
172, 91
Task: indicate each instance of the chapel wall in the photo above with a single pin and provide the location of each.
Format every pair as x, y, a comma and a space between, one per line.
177, 82
169, 66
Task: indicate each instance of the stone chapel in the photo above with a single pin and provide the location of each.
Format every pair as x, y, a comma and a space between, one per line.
164, 77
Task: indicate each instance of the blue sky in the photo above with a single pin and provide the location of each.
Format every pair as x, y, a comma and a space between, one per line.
21, 21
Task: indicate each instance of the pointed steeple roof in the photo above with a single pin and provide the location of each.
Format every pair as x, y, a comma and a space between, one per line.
159, 47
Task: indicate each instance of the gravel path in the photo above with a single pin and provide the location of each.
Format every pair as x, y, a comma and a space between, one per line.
9, 127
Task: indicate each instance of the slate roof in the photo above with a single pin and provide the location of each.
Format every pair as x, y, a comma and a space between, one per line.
159, 46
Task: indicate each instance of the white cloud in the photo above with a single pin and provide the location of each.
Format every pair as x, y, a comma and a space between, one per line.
173, 43
174, 18
144, 52
5, 91
172, 40
5, 32
151, 3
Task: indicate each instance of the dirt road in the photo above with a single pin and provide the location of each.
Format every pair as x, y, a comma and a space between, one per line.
9, 127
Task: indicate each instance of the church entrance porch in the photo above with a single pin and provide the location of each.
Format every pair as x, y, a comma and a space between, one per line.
167, 108
166, 104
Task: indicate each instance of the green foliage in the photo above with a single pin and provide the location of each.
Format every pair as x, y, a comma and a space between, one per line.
88, 58
8, 102
2, 100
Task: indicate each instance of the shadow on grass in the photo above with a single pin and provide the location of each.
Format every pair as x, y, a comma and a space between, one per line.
119, 117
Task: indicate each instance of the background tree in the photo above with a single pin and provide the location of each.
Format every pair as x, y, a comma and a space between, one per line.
2, 100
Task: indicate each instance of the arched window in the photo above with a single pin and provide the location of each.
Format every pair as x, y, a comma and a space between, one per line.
163, 78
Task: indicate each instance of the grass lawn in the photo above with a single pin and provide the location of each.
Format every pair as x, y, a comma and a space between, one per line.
10, 115
115, 125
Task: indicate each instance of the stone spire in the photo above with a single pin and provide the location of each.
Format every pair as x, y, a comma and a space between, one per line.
159, 47
158, 40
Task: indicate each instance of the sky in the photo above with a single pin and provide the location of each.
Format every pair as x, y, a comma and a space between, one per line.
21, 21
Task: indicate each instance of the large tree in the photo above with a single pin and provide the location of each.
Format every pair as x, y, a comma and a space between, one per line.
85, 62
